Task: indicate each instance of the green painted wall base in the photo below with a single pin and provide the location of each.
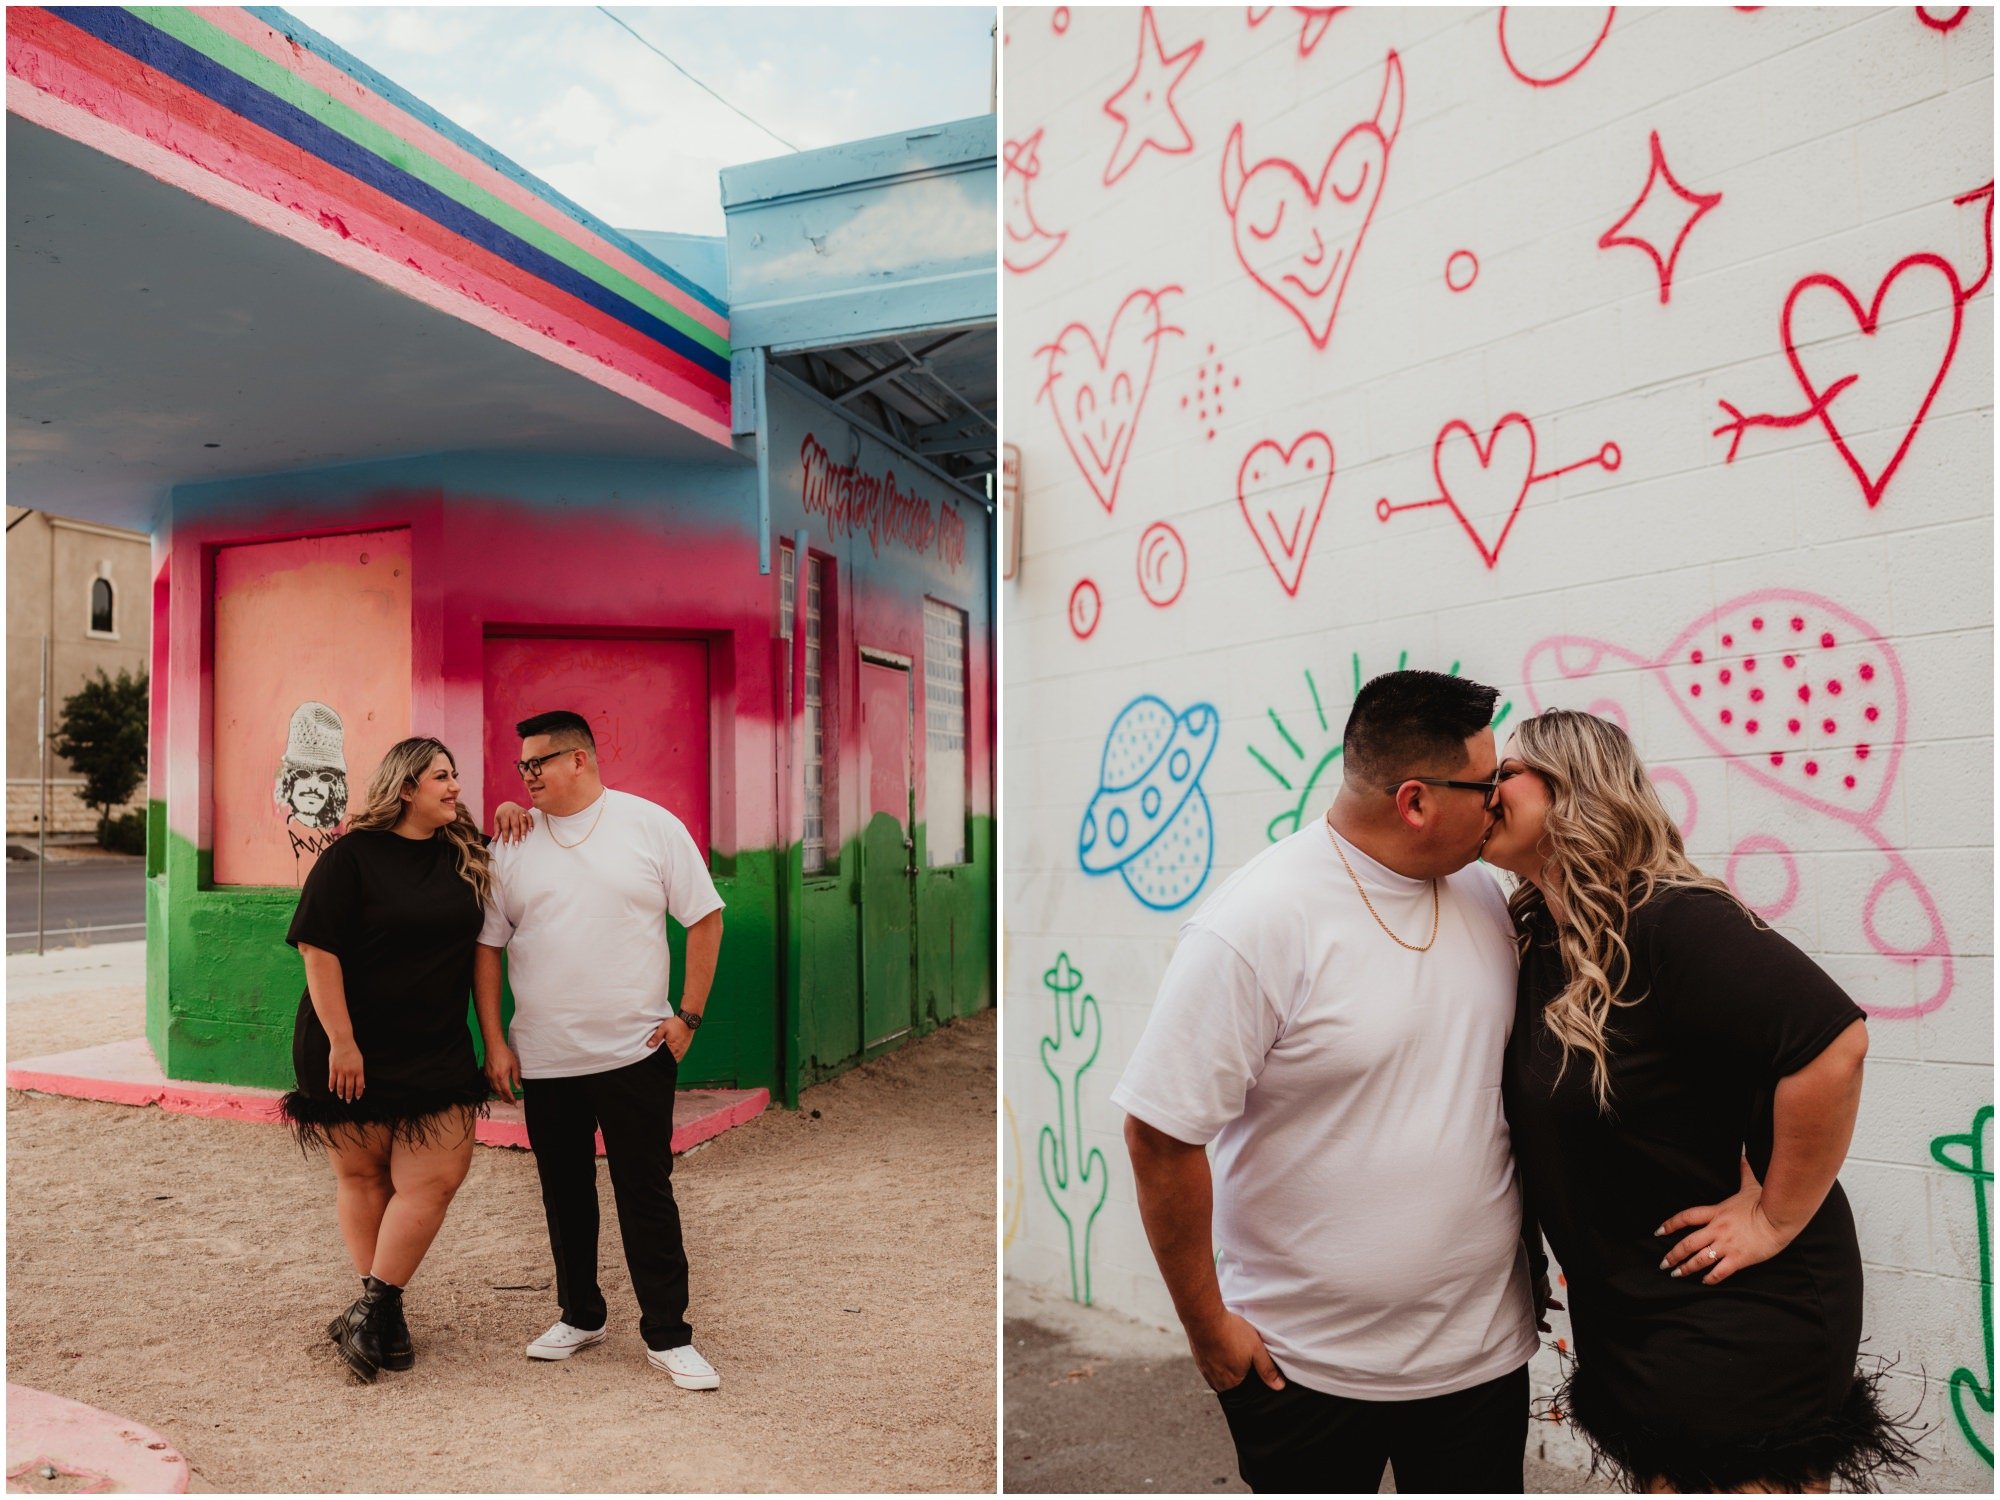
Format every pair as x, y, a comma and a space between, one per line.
223, 987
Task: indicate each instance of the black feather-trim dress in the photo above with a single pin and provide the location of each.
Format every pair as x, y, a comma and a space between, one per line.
404, 924
1757, 1378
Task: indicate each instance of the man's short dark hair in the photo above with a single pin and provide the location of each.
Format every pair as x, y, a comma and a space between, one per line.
569, 731
1413, 724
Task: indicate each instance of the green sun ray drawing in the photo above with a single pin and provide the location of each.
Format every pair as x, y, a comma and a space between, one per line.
1311, 776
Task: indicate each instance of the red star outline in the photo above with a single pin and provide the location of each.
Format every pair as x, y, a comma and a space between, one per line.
1700, 202
1149, 34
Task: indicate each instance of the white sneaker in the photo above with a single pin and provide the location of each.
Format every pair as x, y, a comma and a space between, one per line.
561, 1341
689, 1370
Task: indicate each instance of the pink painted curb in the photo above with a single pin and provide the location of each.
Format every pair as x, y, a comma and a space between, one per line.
92, 1452
126, 1073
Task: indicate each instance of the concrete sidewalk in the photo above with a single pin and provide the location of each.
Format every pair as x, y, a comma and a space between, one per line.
1097, 1402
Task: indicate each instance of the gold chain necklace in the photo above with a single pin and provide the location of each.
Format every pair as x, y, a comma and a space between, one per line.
600, 818
1437, 908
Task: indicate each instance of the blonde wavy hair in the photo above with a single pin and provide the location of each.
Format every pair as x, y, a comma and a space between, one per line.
401, 769
1608, 843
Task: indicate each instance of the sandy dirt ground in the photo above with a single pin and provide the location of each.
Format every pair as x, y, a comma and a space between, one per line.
180, 1272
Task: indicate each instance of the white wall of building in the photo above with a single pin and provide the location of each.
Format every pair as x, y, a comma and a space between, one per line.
1490, 443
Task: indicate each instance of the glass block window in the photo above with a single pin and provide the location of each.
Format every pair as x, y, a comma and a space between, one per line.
944, 734
816, 728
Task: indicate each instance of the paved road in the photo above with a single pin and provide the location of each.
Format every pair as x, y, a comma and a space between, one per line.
93, 900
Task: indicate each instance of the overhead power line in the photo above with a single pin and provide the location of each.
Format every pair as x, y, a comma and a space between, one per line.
697, 82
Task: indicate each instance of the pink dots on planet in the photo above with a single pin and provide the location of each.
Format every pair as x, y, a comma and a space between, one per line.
1461, 270
1059, 22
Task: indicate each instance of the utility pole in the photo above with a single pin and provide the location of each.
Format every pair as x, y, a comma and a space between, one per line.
42, 823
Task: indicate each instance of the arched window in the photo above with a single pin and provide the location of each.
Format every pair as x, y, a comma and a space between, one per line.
102, 616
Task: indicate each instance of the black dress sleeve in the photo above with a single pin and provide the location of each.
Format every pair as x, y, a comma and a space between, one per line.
1735, 989
330, 904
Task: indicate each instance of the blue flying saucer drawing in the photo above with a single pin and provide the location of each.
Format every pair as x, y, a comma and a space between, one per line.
1148, 820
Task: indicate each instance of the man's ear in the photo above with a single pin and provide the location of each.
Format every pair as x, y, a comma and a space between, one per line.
1413, 805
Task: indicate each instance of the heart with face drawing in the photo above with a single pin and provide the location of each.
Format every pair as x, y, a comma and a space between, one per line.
1299, 239
1486, 483
1097, 390
1282, 492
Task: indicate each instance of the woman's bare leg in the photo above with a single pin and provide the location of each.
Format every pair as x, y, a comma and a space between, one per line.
360, 1157
424, 1177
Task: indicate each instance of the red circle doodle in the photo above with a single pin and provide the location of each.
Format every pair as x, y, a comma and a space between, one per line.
1457, 258
1763, 843
1950, 23
1163, 564
1059, 22
1542, 83
1086, 608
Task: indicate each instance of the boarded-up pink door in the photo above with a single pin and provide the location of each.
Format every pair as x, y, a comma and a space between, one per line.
647, 703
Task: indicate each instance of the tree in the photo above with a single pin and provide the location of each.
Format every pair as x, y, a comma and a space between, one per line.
102, 734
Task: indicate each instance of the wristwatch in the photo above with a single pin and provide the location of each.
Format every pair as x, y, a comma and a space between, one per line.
691, 1019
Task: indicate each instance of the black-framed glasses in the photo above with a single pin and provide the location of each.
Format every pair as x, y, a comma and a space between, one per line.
1487, 790
533, 767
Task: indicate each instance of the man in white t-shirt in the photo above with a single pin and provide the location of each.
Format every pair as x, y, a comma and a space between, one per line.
1349, 1267
580, 907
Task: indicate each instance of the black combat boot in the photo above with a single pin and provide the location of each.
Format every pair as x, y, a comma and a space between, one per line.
397, 1351
359, 1331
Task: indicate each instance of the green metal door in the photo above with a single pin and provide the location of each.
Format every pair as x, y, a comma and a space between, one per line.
888, 852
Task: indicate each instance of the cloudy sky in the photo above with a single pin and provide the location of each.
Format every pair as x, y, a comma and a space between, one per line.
574, 99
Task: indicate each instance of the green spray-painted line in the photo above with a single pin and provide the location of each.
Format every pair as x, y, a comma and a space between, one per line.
1964, 1383
1074, 1179
252, 66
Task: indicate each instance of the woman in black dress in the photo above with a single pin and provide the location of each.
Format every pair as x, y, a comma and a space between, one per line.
1681, 1083
387, 1082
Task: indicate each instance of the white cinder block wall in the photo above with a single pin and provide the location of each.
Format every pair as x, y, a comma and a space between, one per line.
1245, 485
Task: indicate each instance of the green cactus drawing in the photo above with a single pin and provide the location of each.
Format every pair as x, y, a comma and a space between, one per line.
1074, 1179
1973, 1163
1312, 788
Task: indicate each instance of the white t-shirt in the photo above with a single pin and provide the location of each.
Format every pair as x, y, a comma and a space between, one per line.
585, 931
1365, 1202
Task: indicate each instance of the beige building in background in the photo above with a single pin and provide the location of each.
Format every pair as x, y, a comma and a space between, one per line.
85, 586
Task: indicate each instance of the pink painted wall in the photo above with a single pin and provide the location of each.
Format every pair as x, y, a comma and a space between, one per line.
315, 620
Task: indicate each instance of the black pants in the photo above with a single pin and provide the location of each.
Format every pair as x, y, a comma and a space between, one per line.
1296, 1441
634, 1107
